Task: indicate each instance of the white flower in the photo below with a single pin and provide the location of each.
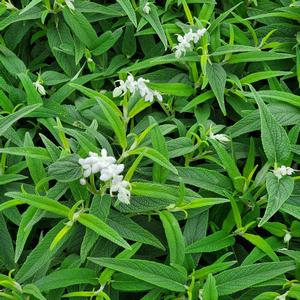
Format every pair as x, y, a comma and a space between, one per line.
95, 163
39, 87
283, 171
142, 87
147, 8
134, 86
111, 171
70, 4
222, 138
120, 90
122, 187
82, 181
124, 196
186, 42
282, 297
199, 34
149, 96
131, 84
158, 96
287, 237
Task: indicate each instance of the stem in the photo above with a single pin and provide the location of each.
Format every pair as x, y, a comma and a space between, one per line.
187, 12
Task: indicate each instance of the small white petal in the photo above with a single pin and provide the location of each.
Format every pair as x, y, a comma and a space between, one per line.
82, 181
87, 172
149, 96
283, 171
147, 8
117, 92
158, 96
39, 88
287, 237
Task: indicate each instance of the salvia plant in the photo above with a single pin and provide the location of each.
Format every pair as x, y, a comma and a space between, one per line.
149, 149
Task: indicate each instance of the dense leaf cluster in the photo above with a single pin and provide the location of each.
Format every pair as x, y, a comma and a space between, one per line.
208, 149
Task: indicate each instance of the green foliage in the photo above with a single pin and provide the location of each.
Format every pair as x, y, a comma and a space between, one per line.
149, 149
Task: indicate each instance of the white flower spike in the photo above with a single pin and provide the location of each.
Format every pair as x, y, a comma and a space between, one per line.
283, 171
131, 85
122, 187
186, 41
120, 90
109, 171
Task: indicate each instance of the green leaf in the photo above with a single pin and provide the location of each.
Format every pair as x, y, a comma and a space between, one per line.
217, 80
33, 290
205, 179
33, 96
174, 237
7, 121
275, 140
127, 7
80, 27
159, 174
127, 253
261, 244
30, 217
131, 230
115, 122
176, 89
202, 202
152, 272
66, 277
35, 167
66, 169
257, 76
33, 152
229, 164
10, 61
210, 291
240, 278
198, 100
102, 229
7, 178
168, 192
255, 56
40, 256
106, 41
214, 242
155, 156
6, 246
153, 19
277, 96
279, 190
41, 202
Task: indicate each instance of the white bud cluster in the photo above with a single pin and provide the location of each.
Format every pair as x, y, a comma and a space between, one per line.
147, 8
187, 41
283, 171
109, 171
136, 86
39, 87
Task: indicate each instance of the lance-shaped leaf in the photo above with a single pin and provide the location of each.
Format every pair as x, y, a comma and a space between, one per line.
149, 271
275, 140
217, 80
279, 190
